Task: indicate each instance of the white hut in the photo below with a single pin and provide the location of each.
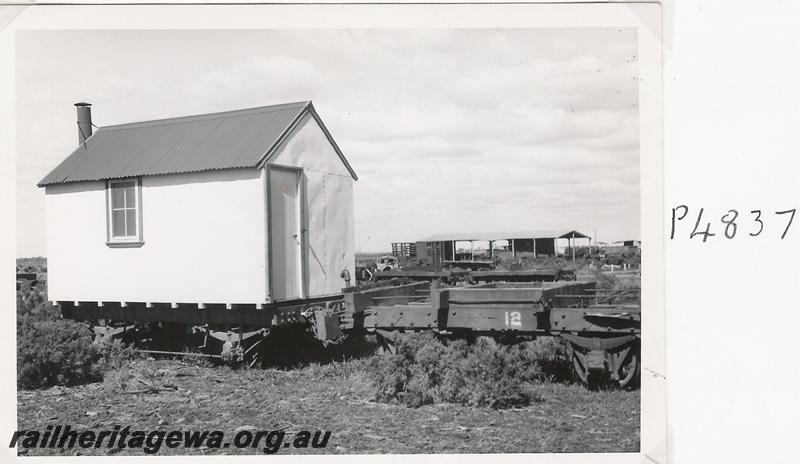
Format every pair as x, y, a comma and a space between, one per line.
242, 207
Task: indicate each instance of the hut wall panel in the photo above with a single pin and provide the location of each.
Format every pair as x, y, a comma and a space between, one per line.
203, 241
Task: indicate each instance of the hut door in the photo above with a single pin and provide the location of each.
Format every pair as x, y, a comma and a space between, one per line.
287, 234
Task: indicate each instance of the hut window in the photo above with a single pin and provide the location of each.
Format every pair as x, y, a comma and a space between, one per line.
124, 211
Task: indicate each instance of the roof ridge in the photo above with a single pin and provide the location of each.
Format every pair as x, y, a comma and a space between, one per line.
204, 117
496, 235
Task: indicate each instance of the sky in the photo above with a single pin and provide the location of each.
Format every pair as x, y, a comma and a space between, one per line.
449, 130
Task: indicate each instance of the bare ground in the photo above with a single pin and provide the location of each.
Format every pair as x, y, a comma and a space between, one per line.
149, 394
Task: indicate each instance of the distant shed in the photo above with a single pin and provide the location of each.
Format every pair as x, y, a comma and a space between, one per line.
629, 243
241, 207
441, 249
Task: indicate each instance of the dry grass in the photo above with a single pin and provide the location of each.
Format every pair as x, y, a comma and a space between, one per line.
174, 394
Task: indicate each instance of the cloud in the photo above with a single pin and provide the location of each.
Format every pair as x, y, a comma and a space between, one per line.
264, 73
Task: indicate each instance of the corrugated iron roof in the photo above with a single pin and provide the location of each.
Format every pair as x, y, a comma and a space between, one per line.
485, 236
232, 139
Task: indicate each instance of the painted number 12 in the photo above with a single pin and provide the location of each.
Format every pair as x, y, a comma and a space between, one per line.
513, 318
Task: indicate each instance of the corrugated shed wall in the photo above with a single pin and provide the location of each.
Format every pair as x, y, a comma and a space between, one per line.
329, 207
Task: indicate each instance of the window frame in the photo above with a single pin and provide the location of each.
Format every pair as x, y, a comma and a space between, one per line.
137, 239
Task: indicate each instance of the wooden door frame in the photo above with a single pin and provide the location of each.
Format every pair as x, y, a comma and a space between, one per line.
301, 186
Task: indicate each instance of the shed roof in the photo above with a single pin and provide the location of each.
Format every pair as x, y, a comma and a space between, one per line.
538, 234
232, 139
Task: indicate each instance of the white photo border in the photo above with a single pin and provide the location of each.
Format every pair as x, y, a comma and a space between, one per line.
646, 17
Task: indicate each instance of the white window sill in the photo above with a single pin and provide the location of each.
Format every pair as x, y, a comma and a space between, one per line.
133, 244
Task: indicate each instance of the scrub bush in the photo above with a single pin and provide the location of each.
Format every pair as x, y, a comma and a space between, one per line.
427, 370
32, 301
55, 352
553, 357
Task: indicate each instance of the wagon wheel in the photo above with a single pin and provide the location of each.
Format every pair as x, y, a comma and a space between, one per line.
630, 369
253, 355
592, 379
385, 345
579, 365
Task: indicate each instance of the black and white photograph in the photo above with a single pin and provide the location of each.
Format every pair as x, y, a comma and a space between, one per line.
338, 239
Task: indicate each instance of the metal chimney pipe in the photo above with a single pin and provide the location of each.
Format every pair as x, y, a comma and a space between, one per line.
84, 121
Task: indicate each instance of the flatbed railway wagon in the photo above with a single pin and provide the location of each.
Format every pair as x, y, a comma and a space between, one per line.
602, 328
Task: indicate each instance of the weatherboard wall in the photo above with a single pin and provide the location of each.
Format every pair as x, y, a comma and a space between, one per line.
203, 234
